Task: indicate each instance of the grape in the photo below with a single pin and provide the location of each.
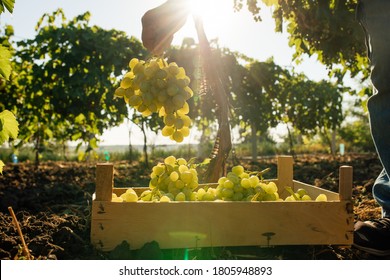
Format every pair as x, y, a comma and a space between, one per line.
165, 198
221, 180
193, 196
153, 182
179, 184
305, 197
238, 170
129, 196
186, 177
146, 195
135, 100
182, 161
170, 160
182, 167
178, 136
271, 188
179, 123
227, 192
180, 197
167, 131
301, 192
201, 193
158, 169
208, 196
169, 119
245, 183
321, 197
237, 196
233, 177
269, 197
120, 92
254, 180
174, 176
115, 198
133, 62
228, 184
154, 86
193, 185
289, 198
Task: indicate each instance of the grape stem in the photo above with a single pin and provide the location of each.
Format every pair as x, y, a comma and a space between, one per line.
290, 190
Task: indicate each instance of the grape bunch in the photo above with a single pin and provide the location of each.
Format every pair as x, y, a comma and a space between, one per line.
241, 185
155, 86
175, 179
172, 180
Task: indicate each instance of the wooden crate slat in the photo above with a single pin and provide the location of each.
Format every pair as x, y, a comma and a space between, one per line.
205, 224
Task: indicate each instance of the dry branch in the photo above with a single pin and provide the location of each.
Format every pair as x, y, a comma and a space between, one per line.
26, 252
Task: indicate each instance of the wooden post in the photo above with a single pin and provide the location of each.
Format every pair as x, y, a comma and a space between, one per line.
345, 182
285, 172
104, 181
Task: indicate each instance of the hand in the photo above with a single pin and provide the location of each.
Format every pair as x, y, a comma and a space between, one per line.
161, 23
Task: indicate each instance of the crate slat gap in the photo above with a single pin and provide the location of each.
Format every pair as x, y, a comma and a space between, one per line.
193, 224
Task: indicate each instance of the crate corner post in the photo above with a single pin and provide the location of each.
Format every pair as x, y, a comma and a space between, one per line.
285, 172
104, 181
345, 182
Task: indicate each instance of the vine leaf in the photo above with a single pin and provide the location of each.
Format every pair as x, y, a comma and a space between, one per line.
9, 127
9, 5
5, 63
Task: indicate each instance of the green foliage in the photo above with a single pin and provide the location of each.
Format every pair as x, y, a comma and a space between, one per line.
9, 128
259, 102
7, 4
5, 64
68, 75
356, 134
262, 95
5, 54
311, 106
327, 29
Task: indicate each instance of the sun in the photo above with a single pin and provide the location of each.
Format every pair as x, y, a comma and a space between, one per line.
209, 9
215, 14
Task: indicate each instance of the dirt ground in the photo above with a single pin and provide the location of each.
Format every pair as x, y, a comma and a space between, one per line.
52, 205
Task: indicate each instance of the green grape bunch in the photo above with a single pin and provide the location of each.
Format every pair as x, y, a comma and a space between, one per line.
154, 86
242, 185
175, 179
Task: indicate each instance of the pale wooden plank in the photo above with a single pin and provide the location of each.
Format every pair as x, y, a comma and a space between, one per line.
104, 181
345, 182
205, 224
285, 174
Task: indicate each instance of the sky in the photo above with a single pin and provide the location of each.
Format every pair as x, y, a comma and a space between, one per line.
235, 30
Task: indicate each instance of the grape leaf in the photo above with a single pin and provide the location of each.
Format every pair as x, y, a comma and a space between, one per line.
9, 5
10, 126
1, 167
5, 63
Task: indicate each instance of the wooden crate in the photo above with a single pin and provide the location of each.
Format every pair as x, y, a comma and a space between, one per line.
213, 224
